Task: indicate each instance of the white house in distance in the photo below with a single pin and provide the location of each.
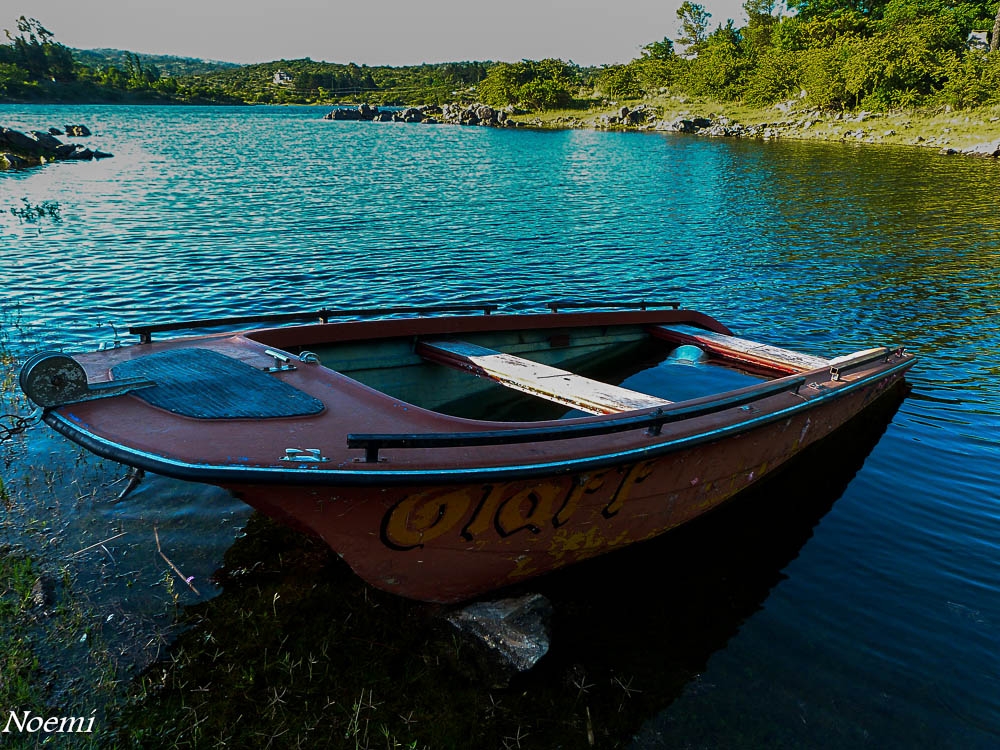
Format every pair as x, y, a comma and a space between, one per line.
281, 78
979, 40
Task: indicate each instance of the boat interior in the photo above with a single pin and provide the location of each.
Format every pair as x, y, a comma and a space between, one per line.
544, 374
525, 368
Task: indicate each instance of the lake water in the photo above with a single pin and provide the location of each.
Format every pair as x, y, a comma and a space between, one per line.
857, 609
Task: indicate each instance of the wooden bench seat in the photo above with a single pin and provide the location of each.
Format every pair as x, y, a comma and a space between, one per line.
742, 350
547, 382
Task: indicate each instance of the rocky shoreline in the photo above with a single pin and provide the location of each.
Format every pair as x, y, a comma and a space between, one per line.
19, 150
811, 124
850, 130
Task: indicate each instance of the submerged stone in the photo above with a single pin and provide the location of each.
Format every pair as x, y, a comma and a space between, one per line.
514, 632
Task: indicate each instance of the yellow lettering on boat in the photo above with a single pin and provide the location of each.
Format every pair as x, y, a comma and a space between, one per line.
417, 519
528, 509
505, 509
582, 485
482, 519
636, 474
583, 543
522, 567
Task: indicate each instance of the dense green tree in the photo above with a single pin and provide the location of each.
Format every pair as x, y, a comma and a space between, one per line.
973, 80
662, 50
761, 22
693, 19
619, 82
33, 50
776, 75
539, 84
12, 79
721, 67
809, 9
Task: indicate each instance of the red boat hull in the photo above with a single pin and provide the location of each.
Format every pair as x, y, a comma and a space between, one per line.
453, 542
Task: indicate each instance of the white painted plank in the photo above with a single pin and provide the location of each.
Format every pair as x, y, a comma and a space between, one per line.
560, 386
722, 344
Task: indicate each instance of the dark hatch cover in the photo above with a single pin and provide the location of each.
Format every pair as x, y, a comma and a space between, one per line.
204, 384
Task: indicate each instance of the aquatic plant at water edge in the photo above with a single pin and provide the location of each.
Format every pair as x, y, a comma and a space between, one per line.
30, 213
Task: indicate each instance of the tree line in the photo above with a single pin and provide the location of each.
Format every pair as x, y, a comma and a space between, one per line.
872, 54
837, 54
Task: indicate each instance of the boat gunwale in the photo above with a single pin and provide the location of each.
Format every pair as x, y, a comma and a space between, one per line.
314, 334
583, 427
322, 316
367, 474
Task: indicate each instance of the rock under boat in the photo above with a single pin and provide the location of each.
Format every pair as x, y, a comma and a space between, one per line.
447, 451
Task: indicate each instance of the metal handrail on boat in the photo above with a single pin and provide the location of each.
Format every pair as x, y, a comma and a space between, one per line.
592, 304
145, 332
653, 422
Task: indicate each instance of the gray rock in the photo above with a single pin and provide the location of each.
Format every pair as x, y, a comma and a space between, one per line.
343, 113
12, 161
988, 149
488, 115
716, 131
77, 131
640, 115
65, 150
18, 141
680, 126
80, 154
514, 632
45, 140
411, 114
43, 592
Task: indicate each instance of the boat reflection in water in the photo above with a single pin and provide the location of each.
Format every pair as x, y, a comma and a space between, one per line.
649, 617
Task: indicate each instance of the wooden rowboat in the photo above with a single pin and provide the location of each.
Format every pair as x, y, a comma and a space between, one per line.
443, 452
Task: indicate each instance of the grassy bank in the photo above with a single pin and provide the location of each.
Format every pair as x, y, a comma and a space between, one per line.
939, 128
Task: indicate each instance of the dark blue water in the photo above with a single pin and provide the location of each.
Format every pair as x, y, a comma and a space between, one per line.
880, 627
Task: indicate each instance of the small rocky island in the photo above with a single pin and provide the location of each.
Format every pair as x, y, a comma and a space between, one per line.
19, 150
432, 114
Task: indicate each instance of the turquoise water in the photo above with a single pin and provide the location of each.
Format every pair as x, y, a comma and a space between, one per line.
875, 622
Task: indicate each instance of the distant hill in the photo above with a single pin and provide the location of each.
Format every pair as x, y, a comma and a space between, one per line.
170, 65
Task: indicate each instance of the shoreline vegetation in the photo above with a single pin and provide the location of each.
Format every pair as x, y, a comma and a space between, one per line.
904, 72
971, 132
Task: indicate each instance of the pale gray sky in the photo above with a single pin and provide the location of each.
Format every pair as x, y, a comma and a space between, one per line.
376, 32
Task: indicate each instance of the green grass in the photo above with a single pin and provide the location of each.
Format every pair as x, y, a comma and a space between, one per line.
19, 664
932, 127
298, 652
